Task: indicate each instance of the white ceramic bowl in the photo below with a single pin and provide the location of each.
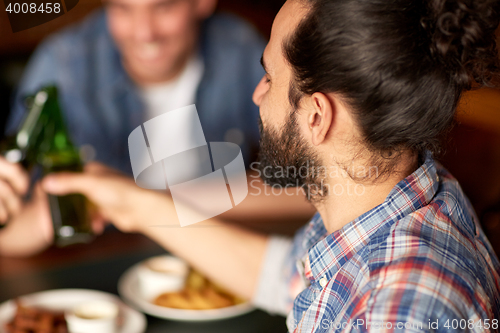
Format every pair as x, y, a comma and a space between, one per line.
94, 316
160, 275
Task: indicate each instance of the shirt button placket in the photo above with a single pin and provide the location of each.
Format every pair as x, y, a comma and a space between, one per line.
323, 282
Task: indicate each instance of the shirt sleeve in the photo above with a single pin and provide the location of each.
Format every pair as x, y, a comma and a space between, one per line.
272, 293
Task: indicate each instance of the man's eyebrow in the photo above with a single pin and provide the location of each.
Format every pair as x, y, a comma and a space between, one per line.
263, 63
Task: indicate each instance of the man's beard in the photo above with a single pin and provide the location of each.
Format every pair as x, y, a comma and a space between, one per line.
286, 160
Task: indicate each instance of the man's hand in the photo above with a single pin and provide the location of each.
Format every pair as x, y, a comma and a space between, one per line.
30, 231
227, 254
117, 197
14, 184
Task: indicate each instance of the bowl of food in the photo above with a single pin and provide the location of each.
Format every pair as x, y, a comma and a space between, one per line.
200, 299
199, 293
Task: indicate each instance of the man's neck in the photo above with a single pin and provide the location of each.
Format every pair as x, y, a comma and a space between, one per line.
348, 199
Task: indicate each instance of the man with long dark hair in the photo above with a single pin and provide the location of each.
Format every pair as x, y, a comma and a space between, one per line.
354, 100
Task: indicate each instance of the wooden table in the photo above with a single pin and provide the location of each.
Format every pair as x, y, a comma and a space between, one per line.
98, 266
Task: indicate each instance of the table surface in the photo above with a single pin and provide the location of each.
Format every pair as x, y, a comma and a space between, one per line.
98, 266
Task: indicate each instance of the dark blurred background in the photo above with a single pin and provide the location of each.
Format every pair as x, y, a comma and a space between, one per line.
471, 153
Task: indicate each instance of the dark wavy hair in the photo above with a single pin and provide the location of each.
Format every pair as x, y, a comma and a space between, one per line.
401, 65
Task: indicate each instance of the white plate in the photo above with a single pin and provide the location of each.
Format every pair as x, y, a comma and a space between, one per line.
128, 288
65, 299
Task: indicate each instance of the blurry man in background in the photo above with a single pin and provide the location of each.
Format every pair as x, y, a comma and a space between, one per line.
137, 59
124, 65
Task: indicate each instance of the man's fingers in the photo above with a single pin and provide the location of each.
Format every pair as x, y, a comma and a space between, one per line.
4, 216
40, 205
15, 175
98, 224
11, 202
65, 183
98, 168
39, 196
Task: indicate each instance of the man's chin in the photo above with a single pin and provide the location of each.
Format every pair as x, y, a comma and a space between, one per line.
149, 72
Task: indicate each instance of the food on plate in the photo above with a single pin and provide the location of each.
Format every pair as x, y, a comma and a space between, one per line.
199, 293
36, 320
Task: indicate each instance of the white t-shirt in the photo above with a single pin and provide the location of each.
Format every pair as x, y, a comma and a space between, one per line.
169, 96
164, 97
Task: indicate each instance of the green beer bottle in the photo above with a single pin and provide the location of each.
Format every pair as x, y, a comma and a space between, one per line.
56, 152
22, 147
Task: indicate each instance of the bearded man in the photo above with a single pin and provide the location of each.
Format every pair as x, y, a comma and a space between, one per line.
349, 85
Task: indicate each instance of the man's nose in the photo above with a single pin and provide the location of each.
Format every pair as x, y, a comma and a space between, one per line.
259, 91
144, 29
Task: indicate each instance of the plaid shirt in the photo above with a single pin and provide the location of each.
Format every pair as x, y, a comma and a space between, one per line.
418, 262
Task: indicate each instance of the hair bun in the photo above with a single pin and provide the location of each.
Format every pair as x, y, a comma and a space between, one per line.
462, 34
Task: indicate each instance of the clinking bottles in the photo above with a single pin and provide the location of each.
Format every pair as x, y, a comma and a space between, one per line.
57, 153
23, 146
43, 139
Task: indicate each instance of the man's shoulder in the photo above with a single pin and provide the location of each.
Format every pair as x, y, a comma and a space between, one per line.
436, 242
231, 30
430, 264
446, 224
231, 49
418, 289
79, 36
80, 54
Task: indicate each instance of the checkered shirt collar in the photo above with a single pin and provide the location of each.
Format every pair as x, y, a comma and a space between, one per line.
328, 255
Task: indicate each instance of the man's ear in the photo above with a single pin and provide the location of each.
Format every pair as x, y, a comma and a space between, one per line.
205, 8
320, 118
